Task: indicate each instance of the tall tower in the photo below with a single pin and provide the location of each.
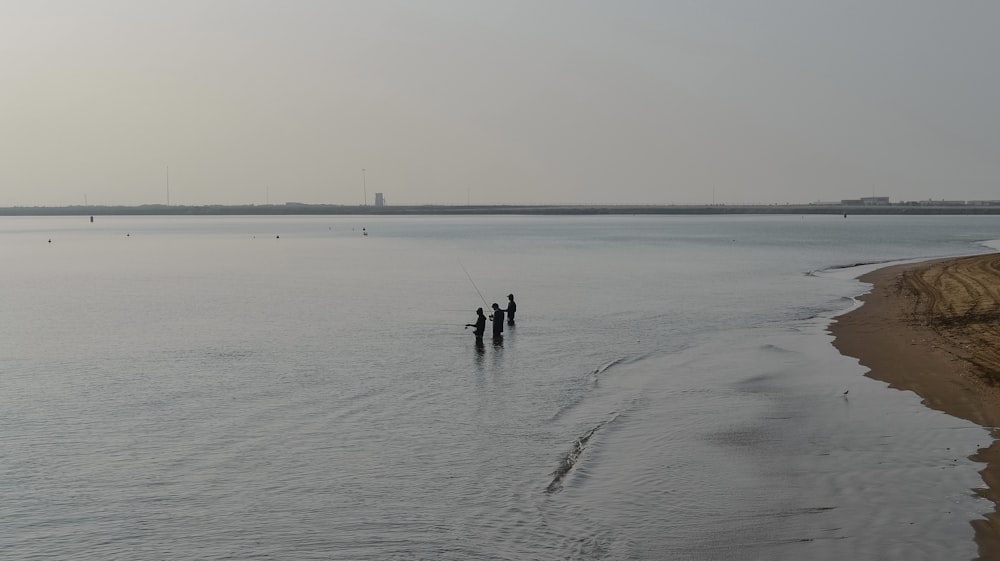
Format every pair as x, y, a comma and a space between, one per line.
379, 200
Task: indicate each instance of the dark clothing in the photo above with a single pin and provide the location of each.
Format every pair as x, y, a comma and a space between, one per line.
497, 323
480, 328
511, 308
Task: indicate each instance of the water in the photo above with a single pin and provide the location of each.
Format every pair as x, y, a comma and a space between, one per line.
287, 388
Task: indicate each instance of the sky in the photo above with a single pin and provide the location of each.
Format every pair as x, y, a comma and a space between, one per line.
196, 102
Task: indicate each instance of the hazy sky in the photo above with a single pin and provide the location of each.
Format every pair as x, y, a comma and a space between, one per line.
538, 101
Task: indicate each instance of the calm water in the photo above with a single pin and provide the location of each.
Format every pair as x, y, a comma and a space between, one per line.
285, 388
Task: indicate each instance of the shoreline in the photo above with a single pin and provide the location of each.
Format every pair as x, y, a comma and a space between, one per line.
933, 328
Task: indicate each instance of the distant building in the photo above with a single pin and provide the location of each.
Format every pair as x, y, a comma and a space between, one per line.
379, 200
874, 200
866, 201
942, 202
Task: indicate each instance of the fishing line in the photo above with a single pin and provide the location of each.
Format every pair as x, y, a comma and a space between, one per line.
474, 285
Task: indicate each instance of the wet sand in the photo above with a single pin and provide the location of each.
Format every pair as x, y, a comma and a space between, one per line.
934, 328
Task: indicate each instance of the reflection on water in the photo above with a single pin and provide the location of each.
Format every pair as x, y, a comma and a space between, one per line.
203, 389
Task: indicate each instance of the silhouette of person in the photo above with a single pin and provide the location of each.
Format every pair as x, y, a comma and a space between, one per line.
511, 309
480, 326
497, 319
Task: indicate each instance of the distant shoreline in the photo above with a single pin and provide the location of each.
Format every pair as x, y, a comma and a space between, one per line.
553, 210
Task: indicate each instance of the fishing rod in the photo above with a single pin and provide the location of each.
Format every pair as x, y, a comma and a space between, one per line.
474, 285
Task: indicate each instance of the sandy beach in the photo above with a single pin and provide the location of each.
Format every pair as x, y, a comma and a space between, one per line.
932, 328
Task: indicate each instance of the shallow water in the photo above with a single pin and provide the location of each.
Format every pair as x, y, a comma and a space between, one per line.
286, 388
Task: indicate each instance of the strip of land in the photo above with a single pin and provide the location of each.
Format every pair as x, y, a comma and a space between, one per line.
934, 328
982, 208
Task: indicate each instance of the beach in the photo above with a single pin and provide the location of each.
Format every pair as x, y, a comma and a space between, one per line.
931, 328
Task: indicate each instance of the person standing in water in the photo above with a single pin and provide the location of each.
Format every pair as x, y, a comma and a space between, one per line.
480, 326
497, 318
511, 308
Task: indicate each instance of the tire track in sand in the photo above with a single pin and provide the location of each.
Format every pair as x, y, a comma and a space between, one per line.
960, 300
